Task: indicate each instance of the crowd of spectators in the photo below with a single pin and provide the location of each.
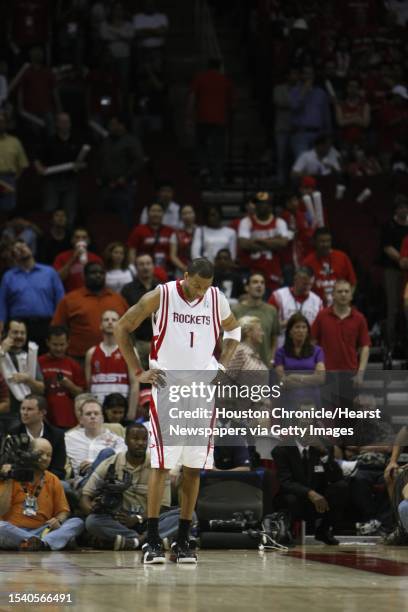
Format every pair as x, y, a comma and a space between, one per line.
338, 71
62, 377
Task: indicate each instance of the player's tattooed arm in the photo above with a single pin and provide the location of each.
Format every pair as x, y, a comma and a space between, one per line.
130, 321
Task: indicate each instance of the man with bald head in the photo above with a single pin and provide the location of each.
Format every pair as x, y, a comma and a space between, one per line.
35, 514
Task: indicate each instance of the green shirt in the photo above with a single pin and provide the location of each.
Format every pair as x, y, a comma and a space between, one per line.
268, 315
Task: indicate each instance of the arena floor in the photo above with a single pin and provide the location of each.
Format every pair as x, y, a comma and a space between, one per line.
352, 578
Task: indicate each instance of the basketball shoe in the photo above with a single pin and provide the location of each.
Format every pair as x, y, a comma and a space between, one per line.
182, 553
153, 553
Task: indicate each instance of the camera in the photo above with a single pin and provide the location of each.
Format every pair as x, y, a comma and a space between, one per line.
109, 500
240, 522
16, 451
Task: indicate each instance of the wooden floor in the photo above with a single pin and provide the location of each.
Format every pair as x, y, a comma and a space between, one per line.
313, 578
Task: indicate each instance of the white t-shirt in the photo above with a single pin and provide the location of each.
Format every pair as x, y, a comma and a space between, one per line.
288, 305
81, 448
116, 279
171, 216
248, 228
141, 21
308, 163
208, 241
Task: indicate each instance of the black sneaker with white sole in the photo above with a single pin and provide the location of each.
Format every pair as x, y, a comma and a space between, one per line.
182, 553
153, 553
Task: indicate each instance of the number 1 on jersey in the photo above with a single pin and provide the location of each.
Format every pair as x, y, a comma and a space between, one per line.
191, 339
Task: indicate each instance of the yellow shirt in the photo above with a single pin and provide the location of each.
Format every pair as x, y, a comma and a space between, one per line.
13, 159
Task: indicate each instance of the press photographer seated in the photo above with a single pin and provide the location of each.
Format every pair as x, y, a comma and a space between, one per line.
116, 519
35, 514
33, 411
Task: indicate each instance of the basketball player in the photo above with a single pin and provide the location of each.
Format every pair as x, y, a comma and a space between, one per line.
187, 318
106, 371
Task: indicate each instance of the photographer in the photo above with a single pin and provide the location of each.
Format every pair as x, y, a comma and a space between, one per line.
33, 411
35, 515
121, 529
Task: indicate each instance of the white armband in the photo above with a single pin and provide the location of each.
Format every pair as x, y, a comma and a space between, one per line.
234, 334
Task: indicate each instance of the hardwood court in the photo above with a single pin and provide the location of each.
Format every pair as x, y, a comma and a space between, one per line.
353, 578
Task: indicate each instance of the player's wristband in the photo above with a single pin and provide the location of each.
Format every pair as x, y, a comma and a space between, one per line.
222, 367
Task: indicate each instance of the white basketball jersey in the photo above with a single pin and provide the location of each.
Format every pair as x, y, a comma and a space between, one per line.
288, 305
185, 333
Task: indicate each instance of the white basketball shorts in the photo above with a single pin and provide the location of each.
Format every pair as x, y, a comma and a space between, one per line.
167, 450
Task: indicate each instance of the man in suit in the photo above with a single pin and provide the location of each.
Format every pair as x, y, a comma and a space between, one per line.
310, 489
33, 410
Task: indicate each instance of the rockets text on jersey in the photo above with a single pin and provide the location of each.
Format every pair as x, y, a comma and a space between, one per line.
185, 333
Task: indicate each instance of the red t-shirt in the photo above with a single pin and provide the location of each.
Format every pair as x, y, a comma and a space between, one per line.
234, 224
404, 247
184, 240
213, 92
327, 270
340, 339
60, 403
38, 85
144, 239
75, 278
301, 245
394, 125
352, 111
109, 373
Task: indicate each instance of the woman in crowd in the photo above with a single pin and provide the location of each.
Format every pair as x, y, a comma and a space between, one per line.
180, 241
118, 270
300, 364
115, 408
213, 236
246, 356
247, 368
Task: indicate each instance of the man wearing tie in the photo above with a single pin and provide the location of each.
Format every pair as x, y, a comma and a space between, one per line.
310, 489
